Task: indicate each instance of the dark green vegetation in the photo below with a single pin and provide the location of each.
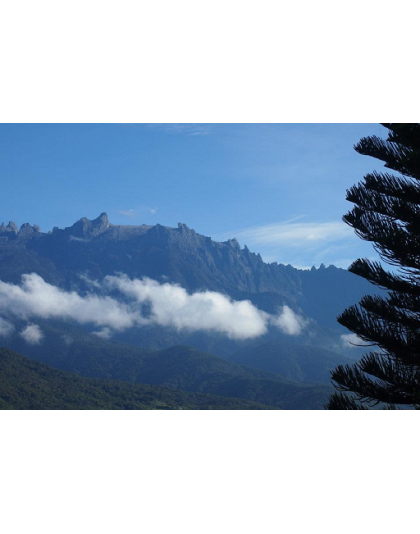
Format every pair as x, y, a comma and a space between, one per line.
180, 367
312, 364
386, 213
29, 385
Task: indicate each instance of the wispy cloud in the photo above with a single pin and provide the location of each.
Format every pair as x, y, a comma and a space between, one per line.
301, 243
168, 305
296, 234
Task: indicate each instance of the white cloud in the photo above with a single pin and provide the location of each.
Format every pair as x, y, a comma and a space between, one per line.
302, 244
32, 334
295, 234
171, 305
352, 341
104, 333
289, 322
6, 328
167, 305
37, 298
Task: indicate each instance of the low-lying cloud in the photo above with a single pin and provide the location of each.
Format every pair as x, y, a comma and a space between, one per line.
172, 306
289, 322
36, 298
32, 334
142, 302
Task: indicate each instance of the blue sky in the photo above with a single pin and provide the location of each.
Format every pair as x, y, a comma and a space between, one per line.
279, 188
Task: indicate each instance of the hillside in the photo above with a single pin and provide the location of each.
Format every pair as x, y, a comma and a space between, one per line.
71, 349
311, 364
29, 385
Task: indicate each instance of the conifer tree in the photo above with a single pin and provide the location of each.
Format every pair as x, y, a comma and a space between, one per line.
386, 213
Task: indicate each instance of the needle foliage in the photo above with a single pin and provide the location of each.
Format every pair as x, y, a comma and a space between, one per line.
386, 213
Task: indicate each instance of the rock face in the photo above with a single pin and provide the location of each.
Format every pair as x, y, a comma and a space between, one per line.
27, 231
10, 230
178, 254
85, 229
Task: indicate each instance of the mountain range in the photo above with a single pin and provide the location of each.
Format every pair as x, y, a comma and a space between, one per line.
281, 368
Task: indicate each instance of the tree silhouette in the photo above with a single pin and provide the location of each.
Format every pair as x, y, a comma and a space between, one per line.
386, 213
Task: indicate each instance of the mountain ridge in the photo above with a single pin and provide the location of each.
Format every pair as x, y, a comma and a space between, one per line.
208, 254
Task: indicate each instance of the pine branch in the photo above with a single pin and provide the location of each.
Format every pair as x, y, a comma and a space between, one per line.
376, 274
352, 379
393, 313
404, 133
394, 186
392, 338
395, 156
386, 213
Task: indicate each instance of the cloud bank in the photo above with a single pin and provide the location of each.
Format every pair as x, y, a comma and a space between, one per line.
36, 298
142, 302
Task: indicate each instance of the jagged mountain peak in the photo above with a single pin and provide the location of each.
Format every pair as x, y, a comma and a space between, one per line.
11, 227
102, 219
85, 227
11, 231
